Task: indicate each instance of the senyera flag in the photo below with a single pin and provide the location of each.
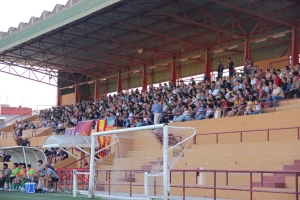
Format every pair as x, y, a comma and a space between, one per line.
83, 128
69, 131
104, 141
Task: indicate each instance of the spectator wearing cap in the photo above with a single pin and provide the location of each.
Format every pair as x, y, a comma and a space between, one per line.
157, 109
277, 94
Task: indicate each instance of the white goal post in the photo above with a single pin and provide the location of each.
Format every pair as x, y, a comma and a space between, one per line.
159, 136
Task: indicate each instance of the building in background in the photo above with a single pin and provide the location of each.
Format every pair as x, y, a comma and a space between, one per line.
9, 115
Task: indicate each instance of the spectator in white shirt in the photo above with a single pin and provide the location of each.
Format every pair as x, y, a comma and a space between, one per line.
277, 95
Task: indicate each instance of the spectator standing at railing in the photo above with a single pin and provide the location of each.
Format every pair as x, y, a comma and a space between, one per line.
220, 69
157, 109
249, 68
230, 67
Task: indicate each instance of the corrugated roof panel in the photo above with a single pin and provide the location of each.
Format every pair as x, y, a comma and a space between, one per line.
55, 21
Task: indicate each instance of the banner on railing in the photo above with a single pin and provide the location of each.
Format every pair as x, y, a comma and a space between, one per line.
104, 141
83, 128
69, 131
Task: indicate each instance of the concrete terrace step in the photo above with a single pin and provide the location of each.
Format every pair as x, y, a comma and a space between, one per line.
269, 185
292, 168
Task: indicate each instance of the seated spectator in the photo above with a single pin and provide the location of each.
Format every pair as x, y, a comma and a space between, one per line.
252, 80
261, 73
261, 94
257, 108
224, 105
209, 111
200, 111
58, 156
60, 127
277, 79
268, 75
287, 87
26, 143
295, 87
186, 115
6, 157
277, 94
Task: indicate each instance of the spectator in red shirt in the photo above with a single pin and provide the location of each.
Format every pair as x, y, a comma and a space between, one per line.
224, 105
277, 80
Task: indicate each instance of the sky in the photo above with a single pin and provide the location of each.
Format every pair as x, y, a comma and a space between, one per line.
14, 90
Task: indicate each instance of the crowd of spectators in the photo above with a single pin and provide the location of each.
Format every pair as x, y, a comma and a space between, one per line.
19, 126
235, 95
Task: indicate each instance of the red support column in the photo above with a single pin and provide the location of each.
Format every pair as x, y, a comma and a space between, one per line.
174, 72
119, 86
295, 46
97, 90
58, 100
246, 50
207, 68
77, 94
144, 79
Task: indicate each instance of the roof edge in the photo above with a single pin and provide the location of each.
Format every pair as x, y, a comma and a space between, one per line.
90, 7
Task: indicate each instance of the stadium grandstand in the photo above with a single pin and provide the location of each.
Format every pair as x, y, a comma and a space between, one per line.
157, 99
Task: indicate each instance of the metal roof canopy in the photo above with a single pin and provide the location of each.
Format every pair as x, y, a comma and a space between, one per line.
100, 38
67, 141
27, 155
79, 142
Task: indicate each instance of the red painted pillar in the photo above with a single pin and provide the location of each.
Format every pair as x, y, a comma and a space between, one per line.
58, 100
295, 46
77, 93
246, 50
97, 90
207, 68
119, 86
174, 72
144, 79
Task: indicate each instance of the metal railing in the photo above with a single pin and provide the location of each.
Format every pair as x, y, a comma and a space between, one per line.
279, 61
66, 177
251, 189
246, 131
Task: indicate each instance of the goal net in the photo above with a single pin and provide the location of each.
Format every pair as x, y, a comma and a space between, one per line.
139, 164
